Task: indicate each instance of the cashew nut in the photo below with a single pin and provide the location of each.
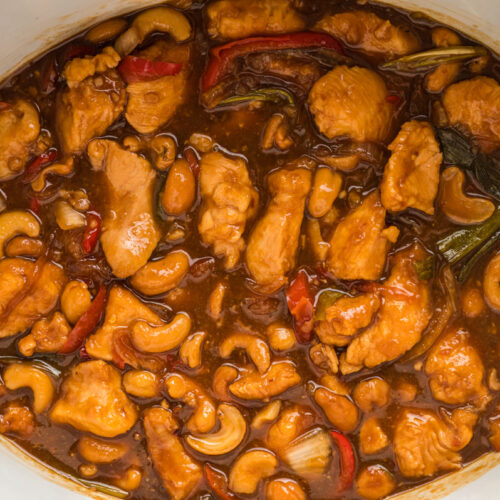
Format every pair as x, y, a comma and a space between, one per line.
163, 338
281, 337
284, 488
99, 451
160, 276
256, 348
141, 383
315, 239
250, 468
64, 168
130, 480
190, 351
180, 189
215, 300
77, 198
491, 283
223, 376
106, 30
267, 415
162, 19
372, 393
22, 245
181, 387
163, 151
326, 188
276, 133
456, 205
19, 375
339, 409
17, 222
67, 217
75, 300
230, 435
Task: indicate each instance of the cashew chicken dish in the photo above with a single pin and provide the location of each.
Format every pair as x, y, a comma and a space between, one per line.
251, 249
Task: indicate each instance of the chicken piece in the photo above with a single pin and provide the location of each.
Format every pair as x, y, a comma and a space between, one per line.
444, 74
129, 230
178, 471
275, 238
345, 317
42, 282
88, 109
372, 437
122, 309
375, 482
153, 103
229, 200
17, 419
360, 242
19, 128
404, 314
92, 400
231, 19
426, 442
79, 69
475, 104
411, 176
455, 370
292, 423
353, 102
280, 376
299, 70
370, 33
47, 335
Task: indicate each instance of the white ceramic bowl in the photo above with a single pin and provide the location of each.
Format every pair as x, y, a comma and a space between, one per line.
29, 27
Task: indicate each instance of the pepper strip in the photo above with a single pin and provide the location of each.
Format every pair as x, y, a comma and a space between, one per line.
346, 461
137, 69
217, 481
222, 57
38, 163
92, 231
300, 301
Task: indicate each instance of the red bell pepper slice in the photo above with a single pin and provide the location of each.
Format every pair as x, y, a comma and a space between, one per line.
347, 464
35, 205
217, 480
137, 69
222, 57
92, 231
38, 163
192, 160
300, 301
78, 50
87, 322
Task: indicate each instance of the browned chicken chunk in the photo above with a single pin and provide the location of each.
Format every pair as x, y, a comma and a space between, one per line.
360, 242
411, 177
129, 232
426, 442
87, 108
92, 400
152, 104
456, 371
178, 471
273, 244
242, 18
401, 319
18, 420
42, 280
372, 437
370, 33
345, 317
353, 102
19, 128
475, 105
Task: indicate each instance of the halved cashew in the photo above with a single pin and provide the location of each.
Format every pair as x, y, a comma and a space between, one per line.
230, 435
23, 245
162, 19
267, 415
19, 375
130, 480
75, 300
67, 217
280, 336
250, 468
99, 451
181, 387
256, 348
63, 168
160, 276
163, 151
180, 189
17, 222
315, 239
141, 383
190, 351
106, 30
491, 283
163, 338
223, 376
326, 188
456, 205
284, 488
276, 133
216, 299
